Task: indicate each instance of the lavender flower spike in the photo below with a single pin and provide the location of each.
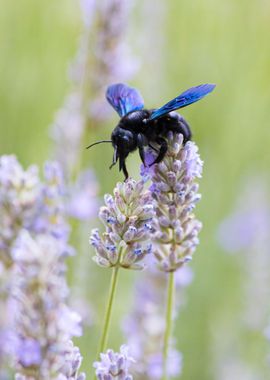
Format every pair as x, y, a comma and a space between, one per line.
144, 326
175, 192
43, 323
114, 366
19, 194
127, 217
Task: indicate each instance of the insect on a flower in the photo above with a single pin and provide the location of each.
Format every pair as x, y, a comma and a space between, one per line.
139, 127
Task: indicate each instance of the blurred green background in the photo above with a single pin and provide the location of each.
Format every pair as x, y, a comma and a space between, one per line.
222, 42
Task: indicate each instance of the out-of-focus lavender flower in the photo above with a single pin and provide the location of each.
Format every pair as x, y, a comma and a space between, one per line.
246, 232
103, 57
19, 195
82, 202
151, 21
175, 192
114, 365
88, 11
67, 131
127, 217
43, 323
35, 323
249, 222
27, 203
144, 327
155, 364
73, 360
50, 217
113, 61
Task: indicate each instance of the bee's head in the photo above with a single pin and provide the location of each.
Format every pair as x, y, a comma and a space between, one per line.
124, 141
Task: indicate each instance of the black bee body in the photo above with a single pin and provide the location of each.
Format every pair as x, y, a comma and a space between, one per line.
139, 127
136, 131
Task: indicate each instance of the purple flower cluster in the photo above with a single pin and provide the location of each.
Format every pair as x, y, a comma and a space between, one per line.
112, 58
27, 203
50, 217
19, 196
144, 327
67, 131
248, 224
127, 217
43, 323
103, 57
246, 229
175, 193
82, 199
114, 366
73, 360
37, 325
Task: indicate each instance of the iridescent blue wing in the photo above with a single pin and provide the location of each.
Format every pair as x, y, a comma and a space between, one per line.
189, 96
124, 99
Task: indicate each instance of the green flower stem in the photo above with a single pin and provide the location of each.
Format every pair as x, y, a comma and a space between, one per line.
106, 325
108, 313
169, 323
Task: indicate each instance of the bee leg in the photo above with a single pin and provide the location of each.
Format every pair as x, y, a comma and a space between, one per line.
140, 143
162, 150
115, 158
122, 166
125, 170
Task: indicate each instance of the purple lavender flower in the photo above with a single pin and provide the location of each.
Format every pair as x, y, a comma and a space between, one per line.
246, 230
50, 216
73, 360
144, 327
29, 352
175, 192
88, 11
112, 58
127, 217
82, 202
19, 195
43, 323
249, 223
155, 365
35, 324
67, 131
114, 365
27, 203
103, 57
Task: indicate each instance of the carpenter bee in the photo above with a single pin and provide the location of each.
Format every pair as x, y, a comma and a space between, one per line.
139, 127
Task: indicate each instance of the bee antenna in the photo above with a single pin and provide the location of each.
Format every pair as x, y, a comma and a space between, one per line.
98, 142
